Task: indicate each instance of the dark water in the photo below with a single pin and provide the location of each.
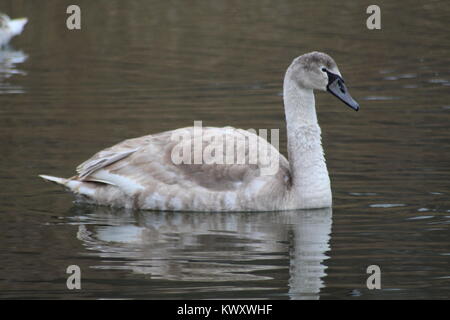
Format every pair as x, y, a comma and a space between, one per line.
140, 67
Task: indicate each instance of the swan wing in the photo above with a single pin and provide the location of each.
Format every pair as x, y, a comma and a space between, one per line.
108, 156
156, 163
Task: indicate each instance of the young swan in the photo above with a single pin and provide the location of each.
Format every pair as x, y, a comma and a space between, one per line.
140, 173
10, 28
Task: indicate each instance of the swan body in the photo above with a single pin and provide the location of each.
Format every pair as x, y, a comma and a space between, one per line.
10, 28
141, 173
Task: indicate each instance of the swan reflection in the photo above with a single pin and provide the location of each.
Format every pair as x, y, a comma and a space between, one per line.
212, 247
9, 61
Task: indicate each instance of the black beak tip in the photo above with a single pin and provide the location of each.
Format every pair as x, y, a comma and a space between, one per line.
337, 88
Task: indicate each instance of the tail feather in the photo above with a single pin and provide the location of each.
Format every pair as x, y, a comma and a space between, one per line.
56, 180
75, 186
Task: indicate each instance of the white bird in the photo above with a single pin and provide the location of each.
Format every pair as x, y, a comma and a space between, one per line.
10, 28
142, 173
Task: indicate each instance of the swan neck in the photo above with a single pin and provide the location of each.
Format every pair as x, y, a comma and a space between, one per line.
299, 104
310, 181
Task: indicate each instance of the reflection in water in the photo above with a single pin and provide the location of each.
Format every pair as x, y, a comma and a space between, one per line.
311, 240
211, 247
9, 59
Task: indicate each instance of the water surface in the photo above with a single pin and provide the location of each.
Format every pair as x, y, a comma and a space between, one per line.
141, 67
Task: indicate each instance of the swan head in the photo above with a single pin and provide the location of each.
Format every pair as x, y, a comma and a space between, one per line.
318, 71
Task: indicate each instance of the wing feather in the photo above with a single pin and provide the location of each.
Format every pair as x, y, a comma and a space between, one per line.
104, 159
144, 166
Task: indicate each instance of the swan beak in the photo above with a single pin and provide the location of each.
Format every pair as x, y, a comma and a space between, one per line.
336, 87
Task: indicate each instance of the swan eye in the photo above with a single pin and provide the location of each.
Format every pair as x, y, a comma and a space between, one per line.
324, 70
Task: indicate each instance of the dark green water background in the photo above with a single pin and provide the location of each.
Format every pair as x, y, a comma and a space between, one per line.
140, 67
